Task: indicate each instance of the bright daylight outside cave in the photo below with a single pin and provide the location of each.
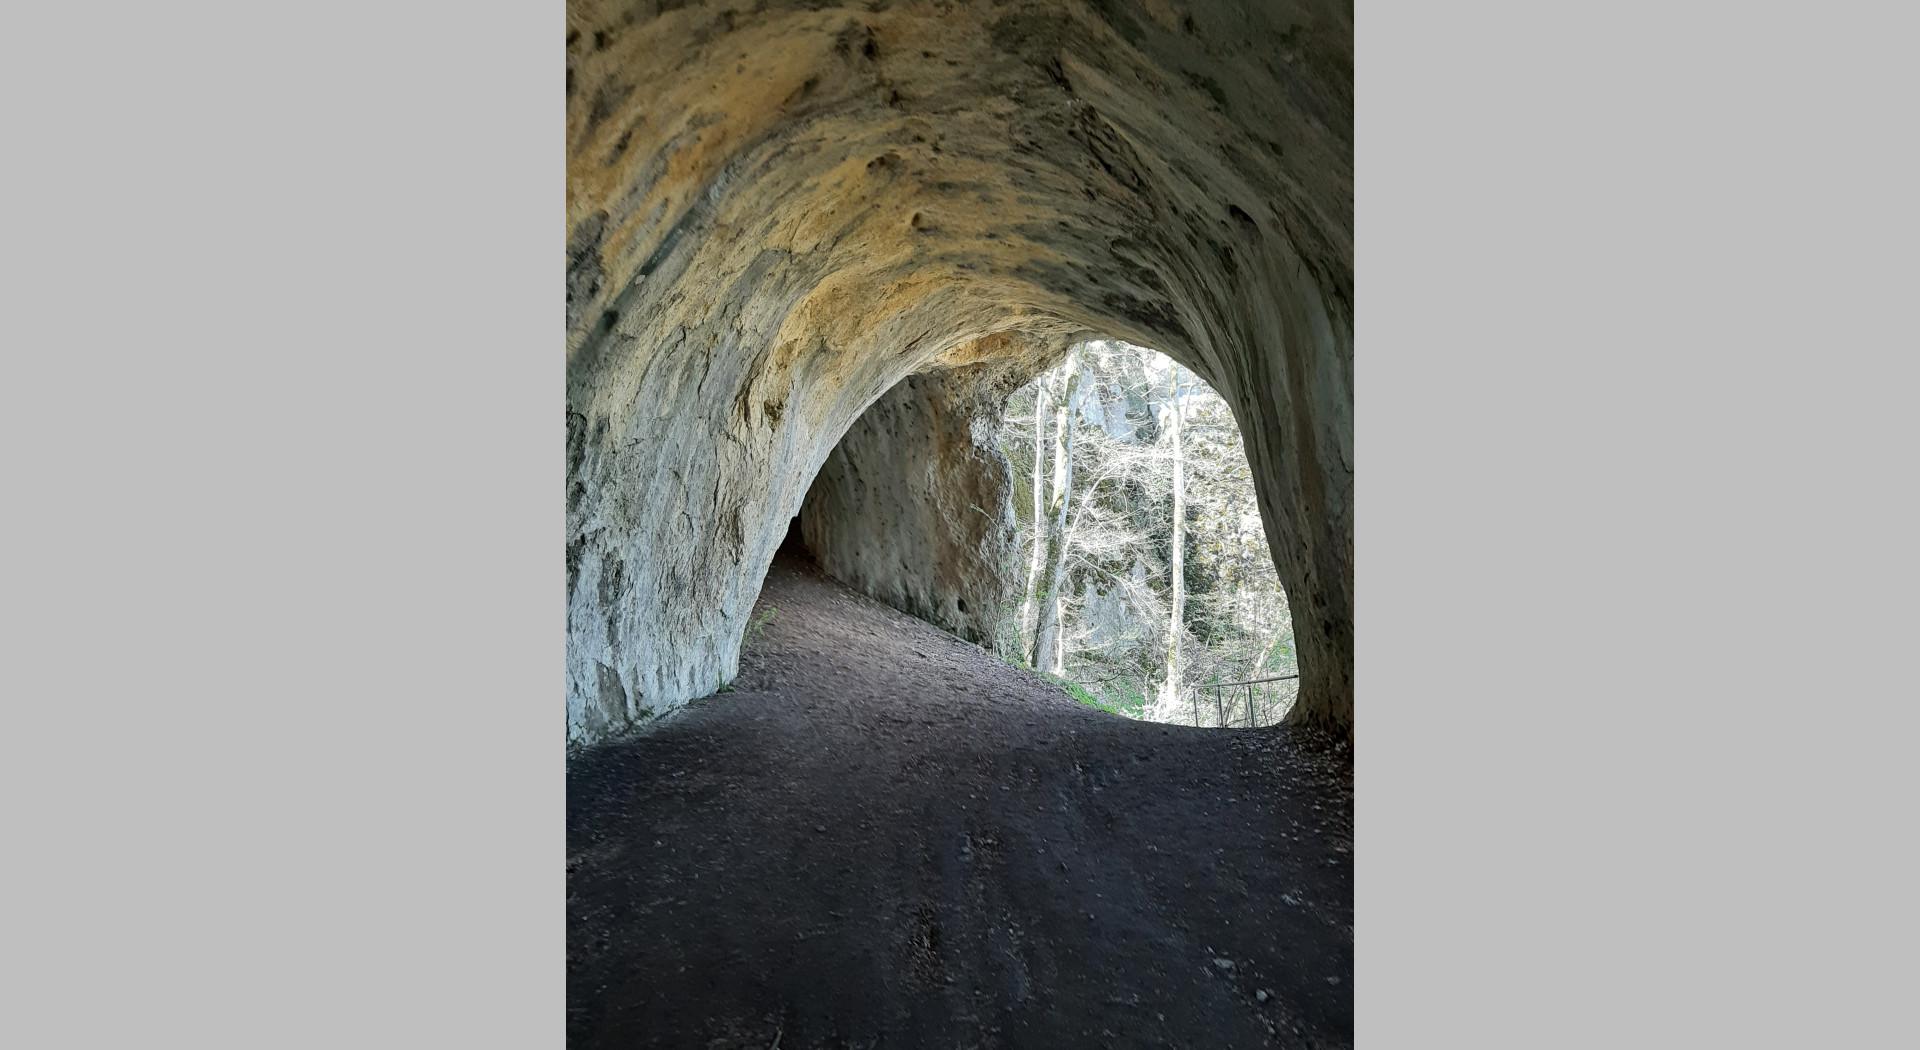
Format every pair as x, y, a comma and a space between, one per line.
959, 524
1148, 587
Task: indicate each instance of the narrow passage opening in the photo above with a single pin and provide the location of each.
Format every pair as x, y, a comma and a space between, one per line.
1146, 584
794, 544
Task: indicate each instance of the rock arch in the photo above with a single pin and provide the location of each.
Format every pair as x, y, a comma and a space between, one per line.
778, 211
913, 506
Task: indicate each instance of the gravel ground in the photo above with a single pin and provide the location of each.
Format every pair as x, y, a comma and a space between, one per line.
884, 837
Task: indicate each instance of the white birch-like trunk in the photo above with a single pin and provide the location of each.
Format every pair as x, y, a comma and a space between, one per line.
1041, 403
1170, 689
1048, 649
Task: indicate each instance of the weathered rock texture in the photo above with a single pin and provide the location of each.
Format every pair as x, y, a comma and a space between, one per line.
914, 505
777, 211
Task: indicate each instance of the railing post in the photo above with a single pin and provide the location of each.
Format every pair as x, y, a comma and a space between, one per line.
1256, 705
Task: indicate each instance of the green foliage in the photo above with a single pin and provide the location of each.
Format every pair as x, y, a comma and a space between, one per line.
1078, 692
756, 630
1007, 647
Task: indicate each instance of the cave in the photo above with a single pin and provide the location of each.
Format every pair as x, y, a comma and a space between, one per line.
808, 245
913, 505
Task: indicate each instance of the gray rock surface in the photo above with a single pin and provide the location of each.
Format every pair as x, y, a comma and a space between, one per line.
914, 505
778, 211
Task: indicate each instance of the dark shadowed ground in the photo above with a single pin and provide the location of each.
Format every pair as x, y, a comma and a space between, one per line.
883, 837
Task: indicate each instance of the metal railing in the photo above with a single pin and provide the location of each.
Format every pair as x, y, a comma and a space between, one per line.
1226, 699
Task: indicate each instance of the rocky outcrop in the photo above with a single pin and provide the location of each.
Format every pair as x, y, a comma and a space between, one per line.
778, 211
914, 505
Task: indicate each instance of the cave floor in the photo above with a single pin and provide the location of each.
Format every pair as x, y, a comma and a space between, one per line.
884, 837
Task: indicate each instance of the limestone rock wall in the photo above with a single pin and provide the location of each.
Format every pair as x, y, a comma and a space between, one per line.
776, 211
914, 505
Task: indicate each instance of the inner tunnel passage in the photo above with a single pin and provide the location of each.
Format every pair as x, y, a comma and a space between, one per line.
883, 836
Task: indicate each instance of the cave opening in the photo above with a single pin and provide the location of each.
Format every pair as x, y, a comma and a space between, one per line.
1147, 587
794, 544
912, 504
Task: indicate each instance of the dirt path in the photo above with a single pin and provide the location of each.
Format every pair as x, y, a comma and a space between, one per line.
883, 837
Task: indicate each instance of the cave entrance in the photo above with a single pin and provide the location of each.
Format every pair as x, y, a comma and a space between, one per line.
1096, 523
912, 505
1146, 586
794, 543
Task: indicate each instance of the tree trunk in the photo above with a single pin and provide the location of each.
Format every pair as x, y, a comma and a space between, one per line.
1048, 644
1177, 591
1041, 392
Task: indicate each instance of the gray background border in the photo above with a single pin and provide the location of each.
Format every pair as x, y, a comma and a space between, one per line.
282, 743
